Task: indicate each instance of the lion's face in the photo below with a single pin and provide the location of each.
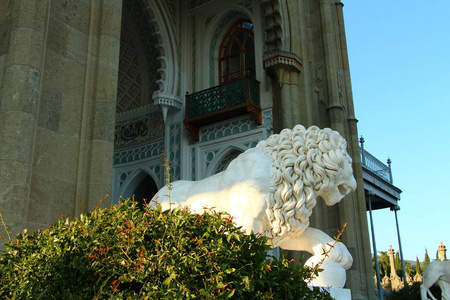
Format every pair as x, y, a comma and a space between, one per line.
344, 184
315, 156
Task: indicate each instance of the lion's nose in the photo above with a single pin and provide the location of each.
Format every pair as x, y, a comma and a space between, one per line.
353, 184
348, 187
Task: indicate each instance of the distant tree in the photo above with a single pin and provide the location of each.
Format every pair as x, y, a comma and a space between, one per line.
418, 268
383, 261
380, 266
437, 255
398, 265
374, 266
409, 269
426, 261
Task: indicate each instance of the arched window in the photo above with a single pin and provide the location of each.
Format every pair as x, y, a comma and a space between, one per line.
226, 159
237, 52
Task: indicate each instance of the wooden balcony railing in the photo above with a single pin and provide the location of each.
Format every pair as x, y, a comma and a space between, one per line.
222, 102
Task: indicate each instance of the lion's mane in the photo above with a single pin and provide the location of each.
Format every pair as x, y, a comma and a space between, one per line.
303, 162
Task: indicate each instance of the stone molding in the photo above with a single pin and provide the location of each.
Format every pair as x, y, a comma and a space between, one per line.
283, 59
167, 102
134, 113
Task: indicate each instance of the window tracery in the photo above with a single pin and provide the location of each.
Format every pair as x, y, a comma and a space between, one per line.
237, 52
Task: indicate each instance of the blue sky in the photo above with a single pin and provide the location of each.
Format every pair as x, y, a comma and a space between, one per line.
399, 53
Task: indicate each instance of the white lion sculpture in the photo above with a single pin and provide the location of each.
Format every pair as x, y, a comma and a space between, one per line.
272, 189
436, 272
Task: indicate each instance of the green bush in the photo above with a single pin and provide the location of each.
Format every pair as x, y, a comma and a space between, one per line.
408, 292
412, 292
126, 252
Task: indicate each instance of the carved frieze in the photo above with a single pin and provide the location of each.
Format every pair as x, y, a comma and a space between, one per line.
138, 130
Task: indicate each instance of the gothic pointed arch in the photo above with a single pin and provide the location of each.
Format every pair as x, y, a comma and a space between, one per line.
138, 65
141, 185
145, 190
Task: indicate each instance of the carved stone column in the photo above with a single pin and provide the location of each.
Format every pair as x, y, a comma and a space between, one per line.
284, 68
442, 252
396, 282
392, 260
334, 73
22, 63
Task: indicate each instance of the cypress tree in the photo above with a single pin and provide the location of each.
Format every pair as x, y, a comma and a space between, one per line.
398, 265
426, 261
383, 260
418, 268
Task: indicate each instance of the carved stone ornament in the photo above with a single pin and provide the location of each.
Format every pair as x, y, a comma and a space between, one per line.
166, 102
272, 189
277, 62
139, 129
282, 58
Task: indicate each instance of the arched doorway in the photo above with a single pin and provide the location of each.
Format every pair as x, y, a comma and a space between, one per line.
145, 190
141, 186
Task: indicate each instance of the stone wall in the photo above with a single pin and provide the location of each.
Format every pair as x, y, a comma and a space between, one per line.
58, 75
22, 60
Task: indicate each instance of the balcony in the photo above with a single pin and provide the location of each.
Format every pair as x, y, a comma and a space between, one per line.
222, 102
378, 182
375, 166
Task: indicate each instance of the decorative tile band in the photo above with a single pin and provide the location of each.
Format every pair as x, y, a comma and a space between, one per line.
174, 153
138, 153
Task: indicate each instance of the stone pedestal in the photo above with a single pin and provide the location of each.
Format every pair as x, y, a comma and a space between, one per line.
339, 294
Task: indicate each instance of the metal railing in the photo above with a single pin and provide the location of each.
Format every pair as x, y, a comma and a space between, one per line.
222, 97
374, 165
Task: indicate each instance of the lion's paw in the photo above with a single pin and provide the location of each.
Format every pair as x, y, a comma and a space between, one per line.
340, 254
332, 274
